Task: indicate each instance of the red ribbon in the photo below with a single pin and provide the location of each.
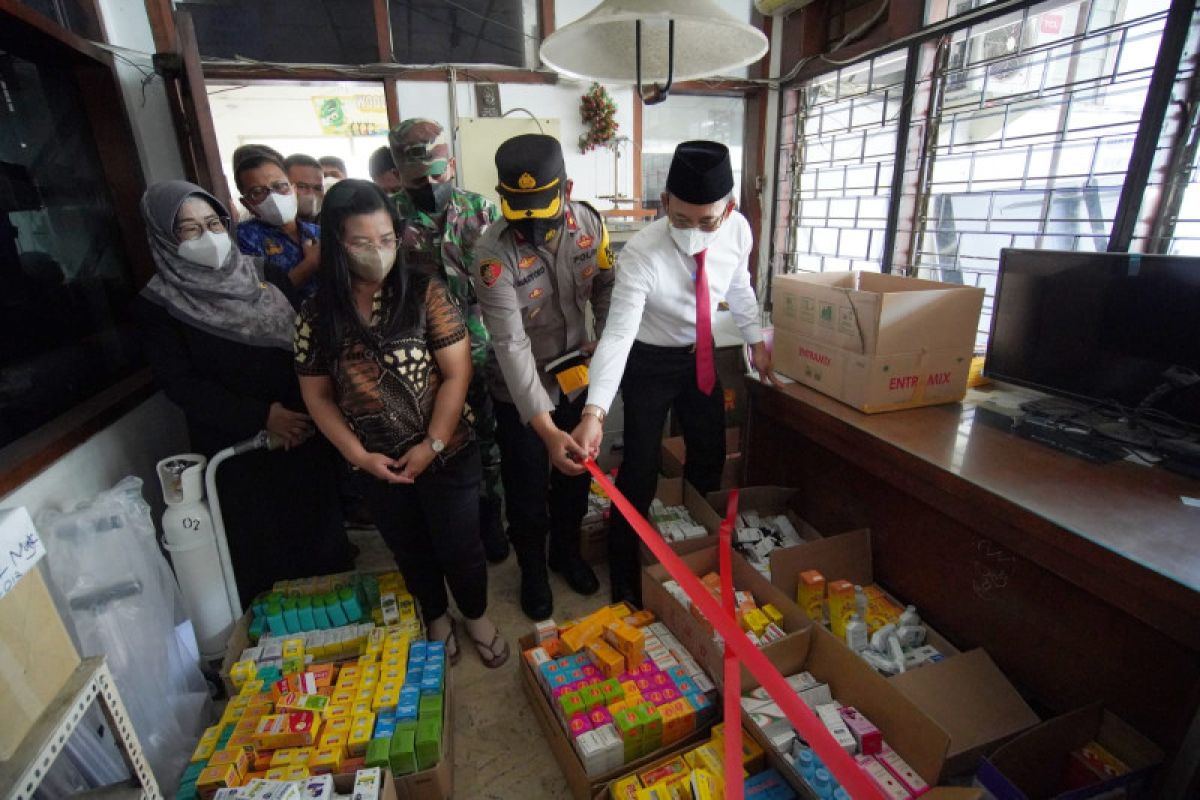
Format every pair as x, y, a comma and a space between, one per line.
734, 788
836, 760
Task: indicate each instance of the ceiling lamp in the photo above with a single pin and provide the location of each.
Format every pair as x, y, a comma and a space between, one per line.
652, 43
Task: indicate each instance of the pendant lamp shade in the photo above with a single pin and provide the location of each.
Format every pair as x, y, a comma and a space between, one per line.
603, 45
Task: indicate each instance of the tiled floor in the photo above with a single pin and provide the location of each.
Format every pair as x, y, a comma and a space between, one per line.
500, 752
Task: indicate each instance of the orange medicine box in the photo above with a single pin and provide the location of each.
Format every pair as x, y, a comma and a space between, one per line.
326, 760
218, 777
841, 606
237, 758
810, 594
610, 663
628, 641
294, 729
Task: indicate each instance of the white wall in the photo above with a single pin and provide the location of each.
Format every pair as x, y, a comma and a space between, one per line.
126, 26
591, 172
130, 446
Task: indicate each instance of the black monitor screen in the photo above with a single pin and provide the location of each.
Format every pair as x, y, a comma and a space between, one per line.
1099, 326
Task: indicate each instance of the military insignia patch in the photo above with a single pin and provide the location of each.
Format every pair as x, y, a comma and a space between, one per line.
536, 293
588, 270
489, 273
527, 262
584, 242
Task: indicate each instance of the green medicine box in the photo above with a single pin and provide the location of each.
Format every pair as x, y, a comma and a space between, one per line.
378, 751
431, 707
429, 743
403, 753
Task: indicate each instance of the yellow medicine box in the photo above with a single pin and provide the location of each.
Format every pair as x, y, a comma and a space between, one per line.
810, 594
217, 777
293, 648
326, 760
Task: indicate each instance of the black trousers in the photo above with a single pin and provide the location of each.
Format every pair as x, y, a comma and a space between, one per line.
658, 380
432, 527
539, 500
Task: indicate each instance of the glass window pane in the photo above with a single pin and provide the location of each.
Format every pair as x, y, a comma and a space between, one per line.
1035, 134
685, 117
286, 31
346, 120
77, 16
846, 148
64, 333
458, 32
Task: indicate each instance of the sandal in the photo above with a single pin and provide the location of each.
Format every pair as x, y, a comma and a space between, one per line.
493, 658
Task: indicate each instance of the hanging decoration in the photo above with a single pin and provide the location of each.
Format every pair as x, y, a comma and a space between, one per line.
599, 114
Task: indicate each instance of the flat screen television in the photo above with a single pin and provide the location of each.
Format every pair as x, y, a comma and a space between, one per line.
1098, 326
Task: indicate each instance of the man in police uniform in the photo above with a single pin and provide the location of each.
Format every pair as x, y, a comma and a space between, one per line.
534, 275
443, 223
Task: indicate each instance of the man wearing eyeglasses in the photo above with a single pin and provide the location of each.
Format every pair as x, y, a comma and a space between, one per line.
657, 345
304, 172
275, 234
442, 225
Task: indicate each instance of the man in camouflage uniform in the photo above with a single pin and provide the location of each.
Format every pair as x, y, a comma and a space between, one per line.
535, 274
443, 223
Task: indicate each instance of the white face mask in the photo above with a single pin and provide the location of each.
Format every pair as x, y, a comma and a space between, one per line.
329, 182
210, 250
693, 240
310, 205
372, 264
276, 209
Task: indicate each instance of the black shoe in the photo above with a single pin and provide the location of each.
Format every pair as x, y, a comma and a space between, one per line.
577, 574
537, 601
491, 530
627, 593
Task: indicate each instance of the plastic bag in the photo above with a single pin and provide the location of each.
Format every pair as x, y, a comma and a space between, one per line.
122, 601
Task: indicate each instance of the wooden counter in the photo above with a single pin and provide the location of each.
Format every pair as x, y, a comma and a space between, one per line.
1081, 580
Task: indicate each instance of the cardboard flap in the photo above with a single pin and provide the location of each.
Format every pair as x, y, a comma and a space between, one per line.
906, 316
846, 556
910, 730
1123, 740
970, 698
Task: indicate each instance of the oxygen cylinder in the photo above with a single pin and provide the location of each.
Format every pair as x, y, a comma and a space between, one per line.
189, 539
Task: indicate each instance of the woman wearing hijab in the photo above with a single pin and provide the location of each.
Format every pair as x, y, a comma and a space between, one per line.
219, 339
384, 363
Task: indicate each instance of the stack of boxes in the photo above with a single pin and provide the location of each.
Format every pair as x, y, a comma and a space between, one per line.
849, 728
762, 625
330, 618
289, 722
621, 685
699, 774
675, 523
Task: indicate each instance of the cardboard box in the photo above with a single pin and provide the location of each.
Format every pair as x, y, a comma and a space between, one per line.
1033, 764
873, 384
678, 492
874, 314
344, 784
966, 694
875, 342
583, 786
906, 728
768, 501
674, 456
37, 657
695, 635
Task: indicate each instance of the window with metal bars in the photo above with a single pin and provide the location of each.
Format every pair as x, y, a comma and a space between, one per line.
1021, 133
840, 155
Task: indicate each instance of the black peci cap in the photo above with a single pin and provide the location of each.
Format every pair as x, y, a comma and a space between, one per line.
700, 172
531, 172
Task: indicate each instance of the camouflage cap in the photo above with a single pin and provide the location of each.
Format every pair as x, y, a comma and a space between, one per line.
419, 149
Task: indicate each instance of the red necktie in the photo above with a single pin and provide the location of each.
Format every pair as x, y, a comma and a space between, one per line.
706, 376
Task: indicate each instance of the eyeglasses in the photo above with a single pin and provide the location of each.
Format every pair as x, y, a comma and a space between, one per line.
301, 186
684, 224
360, 243
194, 230
259, 193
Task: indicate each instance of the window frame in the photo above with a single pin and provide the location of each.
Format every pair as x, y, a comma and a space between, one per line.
30, 35
906, 201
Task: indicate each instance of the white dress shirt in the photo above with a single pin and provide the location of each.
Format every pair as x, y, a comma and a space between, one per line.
654, 299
